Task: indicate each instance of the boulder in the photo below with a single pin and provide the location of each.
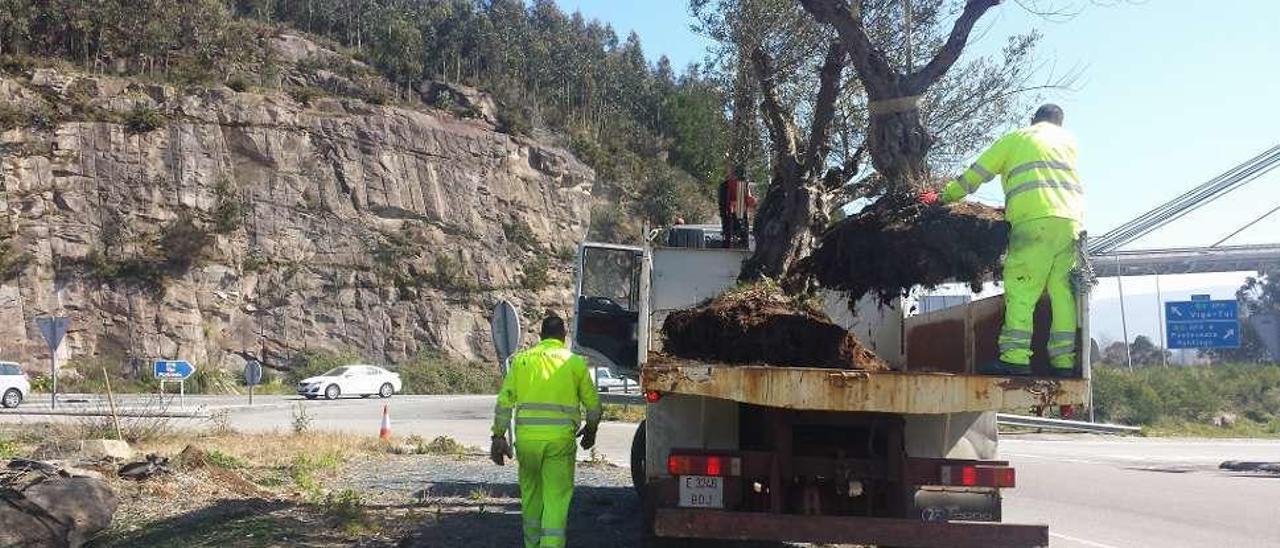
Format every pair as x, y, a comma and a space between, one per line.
40, 509
106, 449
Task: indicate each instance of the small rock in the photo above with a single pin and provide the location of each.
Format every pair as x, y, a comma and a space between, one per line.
84, 473
107, 449
193, 457
1225, 420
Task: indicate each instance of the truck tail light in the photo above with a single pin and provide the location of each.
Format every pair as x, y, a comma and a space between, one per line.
970, 475
704, 465
652, 396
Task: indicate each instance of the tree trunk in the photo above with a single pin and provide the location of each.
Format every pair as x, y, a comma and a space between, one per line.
786, 228
896, 138
794, 210
898, 143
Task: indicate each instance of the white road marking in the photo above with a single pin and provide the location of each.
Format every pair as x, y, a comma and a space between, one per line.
1081, 541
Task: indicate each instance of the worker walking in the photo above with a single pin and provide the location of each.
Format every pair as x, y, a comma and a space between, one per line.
546, 387
1044, 205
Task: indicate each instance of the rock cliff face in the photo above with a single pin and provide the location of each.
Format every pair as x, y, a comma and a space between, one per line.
218, 226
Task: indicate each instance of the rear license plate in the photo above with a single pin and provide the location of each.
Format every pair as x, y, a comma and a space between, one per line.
701, 492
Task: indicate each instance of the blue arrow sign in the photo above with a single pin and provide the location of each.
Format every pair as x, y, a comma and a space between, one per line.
173, 370
1202, 323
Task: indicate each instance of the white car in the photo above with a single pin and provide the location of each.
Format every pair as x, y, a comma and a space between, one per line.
607, 381
14, 384
351, 380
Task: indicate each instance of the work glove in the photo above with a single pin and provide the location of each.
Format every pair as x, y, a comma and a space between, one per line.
929, 197
499, 449
588, 435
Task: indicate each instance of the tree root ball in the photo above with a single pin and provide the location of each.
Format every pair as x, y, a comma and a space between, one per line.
889, 248
759, 324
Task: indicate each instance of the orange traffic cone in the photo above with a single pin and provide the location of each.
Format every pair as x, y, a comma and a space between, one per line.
385, 431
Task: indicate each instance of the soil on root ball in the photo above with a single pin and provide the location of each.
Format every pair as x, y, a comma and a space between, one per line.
890, 247
759, 324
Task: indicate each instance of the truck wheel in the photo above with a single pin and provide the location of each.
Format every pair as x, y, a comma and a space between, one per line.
638, 451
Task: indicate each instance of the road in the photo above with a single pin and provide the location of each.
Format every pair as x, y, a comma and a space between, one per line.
1093, 491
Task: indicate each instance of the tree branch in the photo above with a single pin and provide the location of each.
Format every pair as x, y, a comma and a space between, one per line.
779, 120
877, 75
824, 108
920, 81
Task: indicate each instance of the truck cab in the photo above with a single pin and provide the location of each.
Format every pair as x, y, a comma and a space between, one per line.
757, 452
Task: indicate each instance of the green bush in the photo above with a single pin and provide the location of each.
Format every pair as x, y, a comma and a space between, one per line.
310, 363
434, 373
143, 120
228, 215
536, 273
1188, 395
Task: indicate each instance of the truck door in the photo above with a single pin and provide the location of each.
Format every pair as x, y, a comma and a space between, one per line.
607, 314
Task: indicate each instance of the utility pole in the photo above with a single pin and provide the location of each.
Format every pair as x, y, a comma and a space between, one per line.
1124, 322
1164, 352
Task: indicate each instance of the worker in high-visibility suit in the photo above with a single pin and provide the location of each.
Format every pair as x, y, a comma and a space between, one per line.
1044, 205
547, 388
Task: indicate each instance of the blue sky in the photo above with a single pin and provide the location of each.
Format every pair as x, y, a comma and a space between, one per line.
1171, 94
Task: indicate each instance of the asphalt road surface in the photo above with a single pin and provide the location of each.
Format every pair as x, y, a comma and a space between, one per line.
1093, 491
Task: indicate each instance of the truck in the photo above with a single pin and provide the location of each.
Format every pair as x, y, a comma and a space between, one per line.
754, 452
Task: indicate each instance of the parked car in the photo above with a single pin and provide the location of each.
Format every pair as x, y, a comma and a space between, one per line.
14, 384
351, 380
607, 381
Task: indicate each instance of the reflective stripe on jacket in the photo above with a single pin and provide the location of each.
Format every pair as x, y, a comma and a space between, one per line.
1037, 168
546, 389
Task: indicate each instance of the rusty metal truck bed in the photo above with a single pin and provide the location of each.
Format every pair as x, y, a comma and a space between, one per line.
814, 389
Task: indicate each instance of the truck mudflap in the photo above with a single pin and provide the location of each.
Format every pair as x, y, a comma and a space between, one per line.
754, 526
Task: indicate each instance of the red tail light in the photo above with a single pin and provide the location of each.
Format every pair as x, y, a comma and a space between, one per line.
970, 475
704, 465
652, 396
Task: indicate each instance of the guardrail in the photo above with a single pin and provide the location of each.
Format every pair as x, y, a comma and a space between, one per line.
1065, 425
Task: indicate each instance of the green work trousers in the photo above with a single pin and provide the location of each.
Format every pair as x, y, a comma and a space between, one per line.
546, 488
1042, 253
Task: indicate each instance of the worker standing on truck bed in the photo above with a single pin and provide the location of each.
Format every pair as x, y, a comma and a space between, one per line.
1044, 205
736, 202
546, 387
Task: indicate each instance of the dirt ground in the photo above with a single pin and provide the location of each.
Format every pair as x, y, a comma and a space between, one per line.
887, 249
759, 324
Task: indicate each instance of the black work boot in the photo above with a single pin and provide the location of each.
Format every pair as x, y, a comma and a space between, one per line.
1005, 369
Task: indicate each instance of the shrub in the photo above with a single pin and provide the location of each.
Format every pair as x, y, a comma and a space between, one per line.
433, 373
238, 83
536, 273
143, 120
228, 214
520, 234
514, 120
309, 363
183, 244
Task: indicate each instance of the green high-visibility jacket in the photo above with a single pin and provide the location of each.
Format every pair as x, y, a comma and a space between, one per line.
546, 388
1037, 167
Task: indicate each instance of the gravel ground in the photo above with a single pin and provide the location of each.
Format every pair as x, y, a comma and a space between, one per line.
467, 501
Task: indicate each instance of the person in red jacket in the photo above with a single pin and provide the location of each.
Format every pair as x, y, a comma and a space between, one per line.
736, 203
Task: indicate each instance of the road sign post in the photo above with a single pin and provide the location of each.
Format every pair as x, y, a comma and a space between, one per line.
174, 370
505, 328
1202, 323
252, 376
54, 329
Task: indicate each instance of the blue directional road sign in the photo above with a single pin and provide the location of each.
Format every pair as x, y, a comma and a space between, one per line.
173, 370
1202, 323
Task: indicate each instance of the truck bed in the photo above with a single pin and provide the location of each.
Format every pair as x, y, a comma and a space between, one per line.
814, 389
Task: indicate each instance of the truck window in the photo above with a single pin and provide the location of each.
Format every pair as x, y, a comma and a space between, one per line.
609, 305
